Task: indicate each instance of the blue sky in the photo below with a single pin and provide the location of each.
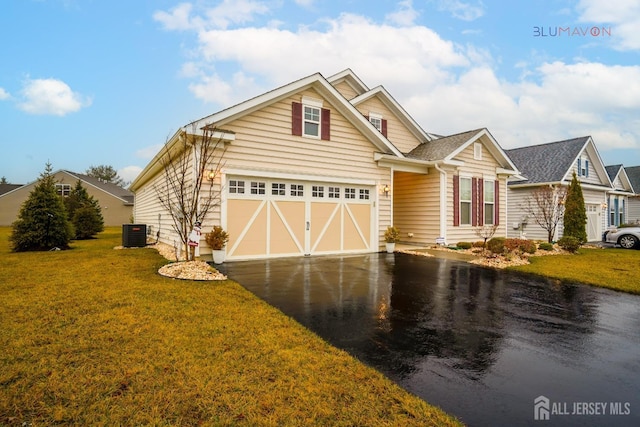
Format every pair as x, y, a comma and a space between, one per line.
86, 82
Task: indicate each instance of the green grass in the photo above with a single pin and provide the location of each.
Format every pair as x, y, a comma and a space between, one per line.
617, 269
94, 336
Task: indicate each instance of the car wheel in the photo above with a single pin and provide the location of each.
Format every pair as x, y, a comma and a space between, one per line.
628, 241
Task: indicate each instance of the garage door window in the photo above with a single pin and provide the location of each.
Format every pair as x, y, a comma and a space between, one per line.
258, 187
349, 193
297, 190
334, 192
364, 194
236, 187
278, 189
317, 191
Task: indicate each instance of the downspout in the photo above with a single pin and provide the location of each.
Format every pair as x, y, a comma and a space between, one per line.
443, 202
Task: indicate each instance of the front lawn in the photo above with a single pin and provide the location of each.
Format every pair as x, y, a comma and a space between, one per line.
617, 269
94, 336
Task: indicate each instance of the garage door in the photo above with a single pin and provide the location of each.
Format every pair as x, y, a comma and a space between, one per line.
594, 223
275, 218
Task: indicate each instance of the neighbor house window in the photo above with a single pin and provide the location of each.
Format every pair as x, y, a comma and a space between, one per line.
278, 189
612, 211
334, 192
236, 187
63, 189
489, 202
465, 201
621, 212
258, 187
297, 190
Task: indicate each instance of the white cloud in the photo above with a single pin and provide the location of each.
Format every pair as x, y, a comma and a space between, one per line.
4, 94
466, 11
149, 152
129, 173
225, 14
178, 19
305, 3
623, 16
51, 96
405, 15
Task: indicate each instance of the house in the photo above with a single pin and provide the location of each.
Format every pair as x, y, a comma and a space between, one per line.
618, 200
116, 202
553, 164
633, 211
325, 165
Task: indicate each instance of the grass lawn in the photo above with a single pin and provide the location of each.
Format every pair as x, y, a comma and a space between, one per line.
94, 335
617, 269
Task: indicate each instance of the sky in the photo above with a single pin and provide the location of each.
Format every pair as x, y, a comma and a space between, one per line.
87, 82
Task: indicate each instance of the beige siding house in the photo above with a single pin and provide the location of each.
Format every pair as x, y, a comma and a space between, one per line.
618, 199
553, 164
324, 166
116, 202
633, 212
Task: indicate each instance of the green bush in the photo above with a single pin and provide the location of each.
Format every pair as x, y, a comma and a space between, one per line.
544, 246
496, 245
521, 245
569, 243
464, 245
478, 244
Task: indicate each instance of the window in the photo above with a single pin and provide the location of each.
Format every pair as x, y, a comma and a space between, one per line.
278, 189
364, 194
465, 201
257, 187
489, 202
311, 121
297, 190
583, 168
334, 192
63, 189
317, 191
349, 193
612, 211
477, 151
236, 187
376, 120
621, 212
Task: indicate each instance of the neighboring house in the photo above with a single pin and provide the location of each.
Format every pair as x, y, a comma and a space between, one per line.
633, 211
116, 202
324, 166
618, 199
554, 164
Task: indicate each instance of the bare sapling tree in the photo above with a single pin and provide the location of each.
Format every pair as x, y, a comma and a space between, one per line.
190, 187
546, 206
486, 232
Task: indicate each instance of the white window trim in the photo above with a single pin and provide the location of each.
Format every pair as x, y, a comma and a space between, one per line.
461, 200
492, 185
312, 102
305, 121
477, 151
376, 116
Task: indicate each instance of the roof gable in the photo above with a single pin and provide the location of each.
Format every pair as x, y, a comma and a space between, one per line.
320, 85
553, 162
618, 177
448, 147
633, 173
350, 78
107, 187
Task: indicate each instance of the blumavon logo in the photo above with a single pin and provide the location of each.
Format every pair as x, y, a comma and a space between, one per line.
569, 31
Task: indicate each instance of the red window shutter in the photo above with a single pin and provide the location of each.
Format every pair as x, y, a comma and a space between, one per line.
296, 118
384, 127
496, 198
325, 124
474, 201
480, 201
456, 200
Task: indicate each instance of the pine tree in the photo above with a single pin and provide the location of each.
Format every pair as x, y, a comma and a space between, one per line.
84, 212
42, 223
575, 214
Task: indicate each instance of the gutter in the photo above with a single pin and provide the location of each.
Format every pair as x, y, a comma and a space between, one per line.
443, 202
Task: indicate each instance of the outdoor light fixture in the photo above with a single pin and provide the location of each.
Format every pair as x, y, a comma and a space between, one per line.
211, 175
604, 205
386, 189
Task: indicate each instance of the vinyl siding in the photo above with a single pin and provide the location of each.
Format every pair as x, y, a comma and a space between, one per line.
485, 168
633, 209
593, 177
397, 133
416, 209
346, 90
264, 143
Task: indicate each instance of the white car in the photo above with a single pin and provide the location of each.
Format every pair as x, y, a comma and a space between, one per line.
627, 237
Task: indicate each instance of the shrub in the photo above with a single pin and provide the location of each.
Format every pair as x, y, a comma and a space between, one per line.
391, 235
84, 212
217, 239
544, 246
464, 245
496, 245
569, 243
478, 244
522, 245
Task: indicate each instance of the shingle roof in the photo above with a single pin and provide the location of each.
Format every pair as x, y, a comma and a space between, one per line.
440, 148
547, 162
612, 171
5, 188
634, 177
108, 187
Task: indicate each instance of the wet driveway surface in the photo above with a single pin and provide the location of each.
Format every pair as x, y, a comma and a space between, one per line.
481, 344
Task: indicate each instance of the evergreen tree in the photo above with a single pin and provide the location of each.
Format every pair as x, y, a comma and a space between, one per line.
106, 173
575, 214
84, 212
42, 223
